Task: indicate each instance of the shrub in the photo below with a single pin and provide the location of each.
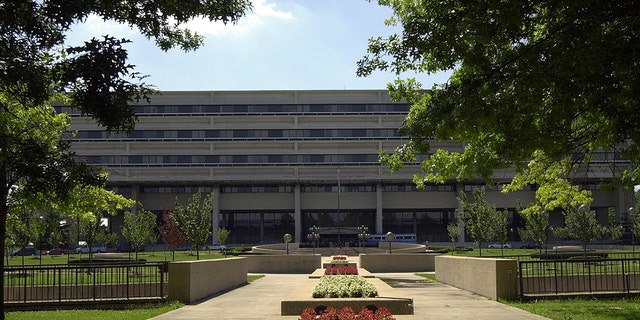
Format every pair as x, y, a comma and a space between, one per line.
344, 287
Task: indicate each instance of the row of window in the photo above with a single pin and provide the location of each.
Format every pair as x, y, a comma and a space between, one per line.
244, 134
235, 159
262, 109
175, 189
281, 188
331, 188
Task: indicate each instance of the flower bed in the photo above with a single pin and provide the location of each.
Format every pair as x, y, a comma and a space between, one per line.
341, 270
342, 286
339, 260
347, 313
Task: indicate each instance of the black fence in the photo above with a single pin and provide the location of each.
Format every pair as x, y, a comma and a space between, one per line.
78, 284
575, 276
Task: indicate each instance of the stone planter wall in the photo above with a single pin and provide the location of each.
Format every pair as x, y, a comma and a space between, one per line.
192, 281
489, 277
379, 262
283, 263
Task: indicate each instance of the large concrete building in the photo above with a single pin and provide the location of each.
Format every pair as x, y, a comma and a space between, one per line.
280, 162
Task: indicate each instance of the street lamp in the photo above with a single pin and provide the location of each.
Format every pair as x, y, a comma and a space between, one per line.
363, 236
313, 236
390, 237
584, 208
287, 238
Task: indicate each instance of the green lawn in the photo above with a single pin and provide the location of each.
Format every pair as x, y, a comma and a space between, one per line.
133, 313
583, 309
153, 256
137, 313
140, 312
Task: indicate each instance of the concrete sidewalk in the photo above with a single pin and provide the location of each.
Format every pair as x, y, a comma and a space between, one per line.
261, 300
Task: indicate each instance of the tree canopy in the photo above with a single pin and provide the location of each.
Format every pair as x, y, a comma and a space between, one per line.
558, 78
37, 67
479, 217
194, 220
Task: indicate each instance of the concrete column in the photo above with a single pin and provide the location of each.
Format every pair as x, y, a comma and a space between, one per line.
624, 202
461, 240
135, 196
379, 226
297, 215
215, 212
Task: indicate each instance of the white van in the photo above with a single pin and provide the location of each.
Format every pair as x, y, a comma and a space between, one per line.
83, 247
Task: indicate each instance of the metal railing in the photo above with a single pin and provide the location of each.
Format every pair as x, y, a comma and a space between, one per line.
579, 276
85, 283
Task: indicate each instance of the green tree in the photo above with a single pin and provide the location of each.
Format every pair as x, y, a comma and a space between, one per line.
635, 219
36, 65
500, 225
194, 220
526, 77
138, 229
537, 227
614, 228
455, 231
479, 221
581, 224
222, 234
86, 205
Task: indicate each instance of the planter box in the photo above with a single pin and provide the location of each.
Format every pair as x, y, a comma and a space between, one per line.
300, 298
350, 264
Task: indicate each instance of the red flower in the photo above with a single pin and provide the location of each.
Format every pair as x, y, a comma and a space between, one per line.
347, 313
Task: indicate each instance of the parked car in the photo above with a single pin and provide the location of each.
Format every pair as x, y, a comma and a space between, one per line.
500, 245
530, 245
95, 248
56, 252
217, 246
184, 248
26, 251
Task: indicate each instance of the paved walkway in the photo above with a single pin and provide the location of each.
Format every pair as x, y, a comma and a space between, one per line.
261, 300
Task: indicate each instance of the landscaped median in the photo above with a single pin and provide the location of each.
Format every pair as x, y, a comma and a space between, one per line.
324, 291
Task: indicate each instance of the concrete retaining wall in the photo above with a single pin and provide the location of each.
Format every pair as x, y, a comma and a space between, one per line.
492, 278
275, 248
283, 263
379, 262
191, 281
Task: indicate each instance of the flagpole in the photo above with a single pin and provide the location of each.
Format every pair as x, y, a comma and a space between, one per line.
338, 218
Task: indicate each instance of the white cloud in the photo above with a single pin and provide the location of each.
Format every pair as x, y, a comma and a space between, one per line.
263, 12
97, 25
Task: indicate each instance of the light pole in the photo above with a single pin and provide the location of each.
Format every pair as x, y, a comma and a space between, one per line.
313, 236
364, 236
287, 238
390, 237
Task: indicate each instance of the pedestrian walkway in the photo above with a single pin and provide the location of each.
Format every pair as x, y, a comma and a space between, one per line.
261, 300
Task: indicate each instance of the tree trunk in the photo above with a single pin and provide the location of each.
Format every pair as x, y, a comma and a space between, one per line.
4, 210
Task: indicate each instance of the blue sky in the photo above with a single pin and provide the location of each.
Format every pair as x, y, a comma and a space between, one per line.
280, 45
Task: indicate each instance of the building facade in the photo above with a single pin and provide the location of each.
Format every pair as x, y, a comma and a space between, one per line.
280, 162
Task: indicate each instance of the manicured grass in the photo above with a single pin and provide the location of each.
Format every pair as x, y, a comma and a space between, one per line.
254, 277
153, 256
583, 308
429, 276
137, 313
134, 313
